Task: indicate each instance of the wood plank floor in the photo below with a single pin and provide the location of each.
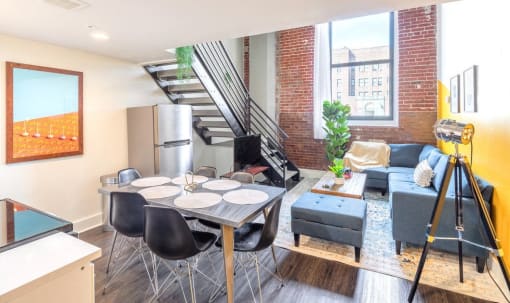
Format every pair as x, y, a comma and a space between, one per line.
307, 279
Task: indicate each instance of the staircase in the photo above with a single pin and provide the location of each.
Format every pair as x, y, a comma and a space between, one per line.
223, 108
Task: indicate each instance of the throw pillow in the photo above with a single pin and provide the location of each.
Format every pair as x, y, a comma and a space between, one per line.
423, 174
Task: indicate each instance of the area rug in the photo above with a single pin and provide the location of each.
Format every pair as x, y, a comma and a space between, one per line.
378, 251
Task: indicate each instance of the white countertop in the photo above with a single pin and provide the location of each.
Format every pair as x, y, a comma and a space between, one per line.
28, 265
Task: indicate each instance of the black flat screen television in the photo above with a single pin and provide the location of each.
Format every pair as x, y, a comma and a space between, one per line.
246, 151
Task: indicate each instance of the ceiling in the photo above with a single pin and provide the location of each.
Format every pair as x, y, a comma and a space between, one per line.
141, 30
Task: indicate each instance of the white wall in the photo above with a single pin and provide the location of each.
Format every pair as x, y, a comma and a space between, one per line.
263, 72
68, 186
235, 48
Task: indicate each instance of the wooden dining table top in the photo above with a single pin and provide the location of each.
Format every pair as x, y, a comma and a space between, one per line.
225, 213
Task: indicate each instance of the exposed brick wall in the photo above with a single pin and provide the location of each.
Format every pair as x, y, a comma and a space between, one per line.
294, 93
417, 90
246, 63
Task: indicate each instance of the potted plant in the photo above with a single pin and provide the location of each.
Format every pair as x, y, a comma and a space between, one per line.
338, 169
335, 115
184, 56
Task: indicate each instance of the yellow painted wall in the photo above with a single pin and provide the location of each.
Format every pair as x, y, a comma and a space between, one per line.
466, 39
491, 150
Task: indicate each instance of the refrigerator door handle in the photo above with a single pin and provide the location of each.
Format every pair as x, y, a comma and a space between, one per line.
167, 144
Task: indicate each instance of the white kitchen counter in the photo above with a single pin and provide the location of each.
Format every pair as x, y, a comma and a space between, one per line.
52, 269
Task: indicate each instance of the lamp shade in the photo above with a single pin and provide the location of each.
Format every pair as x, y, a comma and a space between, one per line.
452, 131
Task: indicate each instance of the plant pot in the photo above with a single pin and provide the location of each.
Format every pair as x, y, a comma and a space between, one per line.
339, 181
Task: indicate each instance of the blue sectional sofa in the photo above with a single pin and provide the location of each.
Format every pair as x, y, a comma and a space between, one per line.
412, 205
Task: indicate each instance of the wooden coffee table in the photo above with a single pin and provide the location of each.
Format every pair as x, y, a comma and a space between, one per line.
352, 188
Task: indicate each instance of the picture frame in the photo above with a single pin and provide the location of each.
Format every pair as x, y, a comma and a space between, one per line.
455, 94
44, 112
470, 89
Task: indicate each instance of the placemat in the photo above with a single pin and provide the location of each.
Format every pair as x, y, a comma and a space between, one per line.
182, 179
197, 200
158, 192
245, 196
222, 184
150, 181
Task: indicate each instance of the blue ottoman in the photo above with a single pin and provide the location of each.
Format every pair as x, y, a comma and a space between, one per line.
330, 218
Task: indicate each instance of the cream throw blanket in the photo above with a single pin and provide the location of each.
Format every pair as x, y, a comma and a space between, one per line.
363, 155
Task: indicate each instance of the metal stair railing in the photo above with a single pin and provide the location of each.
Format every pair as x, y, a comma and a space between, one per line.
252, 118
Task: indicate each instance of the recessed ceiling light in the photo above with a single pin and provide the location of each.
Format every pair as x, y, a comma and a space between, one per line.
99, 35
68, 4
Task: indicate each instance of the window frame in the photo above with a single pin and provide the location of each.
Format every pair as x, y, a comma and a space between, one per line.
391, 74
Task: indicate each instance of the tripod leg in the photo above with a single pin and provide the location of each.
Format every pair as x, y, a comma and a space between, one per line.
459, 221
485, 218
461, 269
434, 223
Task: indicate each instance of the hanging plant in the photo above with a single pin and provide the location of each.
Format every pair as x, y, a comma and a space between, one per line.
184, 56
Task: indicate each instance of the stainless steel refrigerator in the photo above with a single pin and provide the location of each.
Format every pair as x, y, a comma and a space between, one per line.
160, 139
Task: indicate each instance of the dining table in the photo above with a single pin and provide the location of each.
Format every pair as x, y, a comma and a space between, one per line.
228, 215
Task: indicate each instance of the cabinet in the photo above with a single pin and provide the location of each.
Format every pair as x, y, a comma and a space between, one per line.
56, 268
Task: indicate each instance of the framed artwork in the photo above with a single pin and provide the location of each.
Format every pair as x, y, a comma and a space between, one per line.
454, 94
44, 114
470, 90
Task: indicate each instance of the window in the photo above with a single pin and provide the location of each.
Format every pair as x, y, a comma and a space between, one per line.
377, 81
362, 53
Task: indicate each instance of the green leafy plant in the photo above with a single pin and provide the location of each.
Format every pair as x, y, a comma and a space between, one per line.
184, 56
335, 115
338, 167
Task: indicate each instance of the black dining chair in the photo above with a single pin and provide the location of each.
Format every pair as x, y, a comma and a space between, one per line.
125, 176
253, 237
127, 218
169, 237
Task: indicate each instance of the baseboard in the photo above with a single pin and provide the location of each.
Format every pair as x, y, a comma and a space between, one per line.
87, 223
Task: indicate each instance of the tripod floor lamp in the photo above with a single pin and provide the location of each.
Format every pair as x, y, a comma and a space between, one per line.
458, 133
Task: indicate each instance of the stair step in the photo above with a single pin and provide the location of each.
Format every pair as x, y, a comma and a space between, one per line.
225, 134
221, 141
191, 81
162, 67
212, 124
196, 101
206, 113
189, 96
186, 88
288, 173
172, 75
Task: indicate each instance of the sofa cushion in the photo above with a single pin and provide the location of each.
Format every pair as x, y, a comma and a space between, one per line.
434, 157
425, 152
423, 174
410, 188
400, 177
377, 173
382, 172
403, 170
439, 172
405, 155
